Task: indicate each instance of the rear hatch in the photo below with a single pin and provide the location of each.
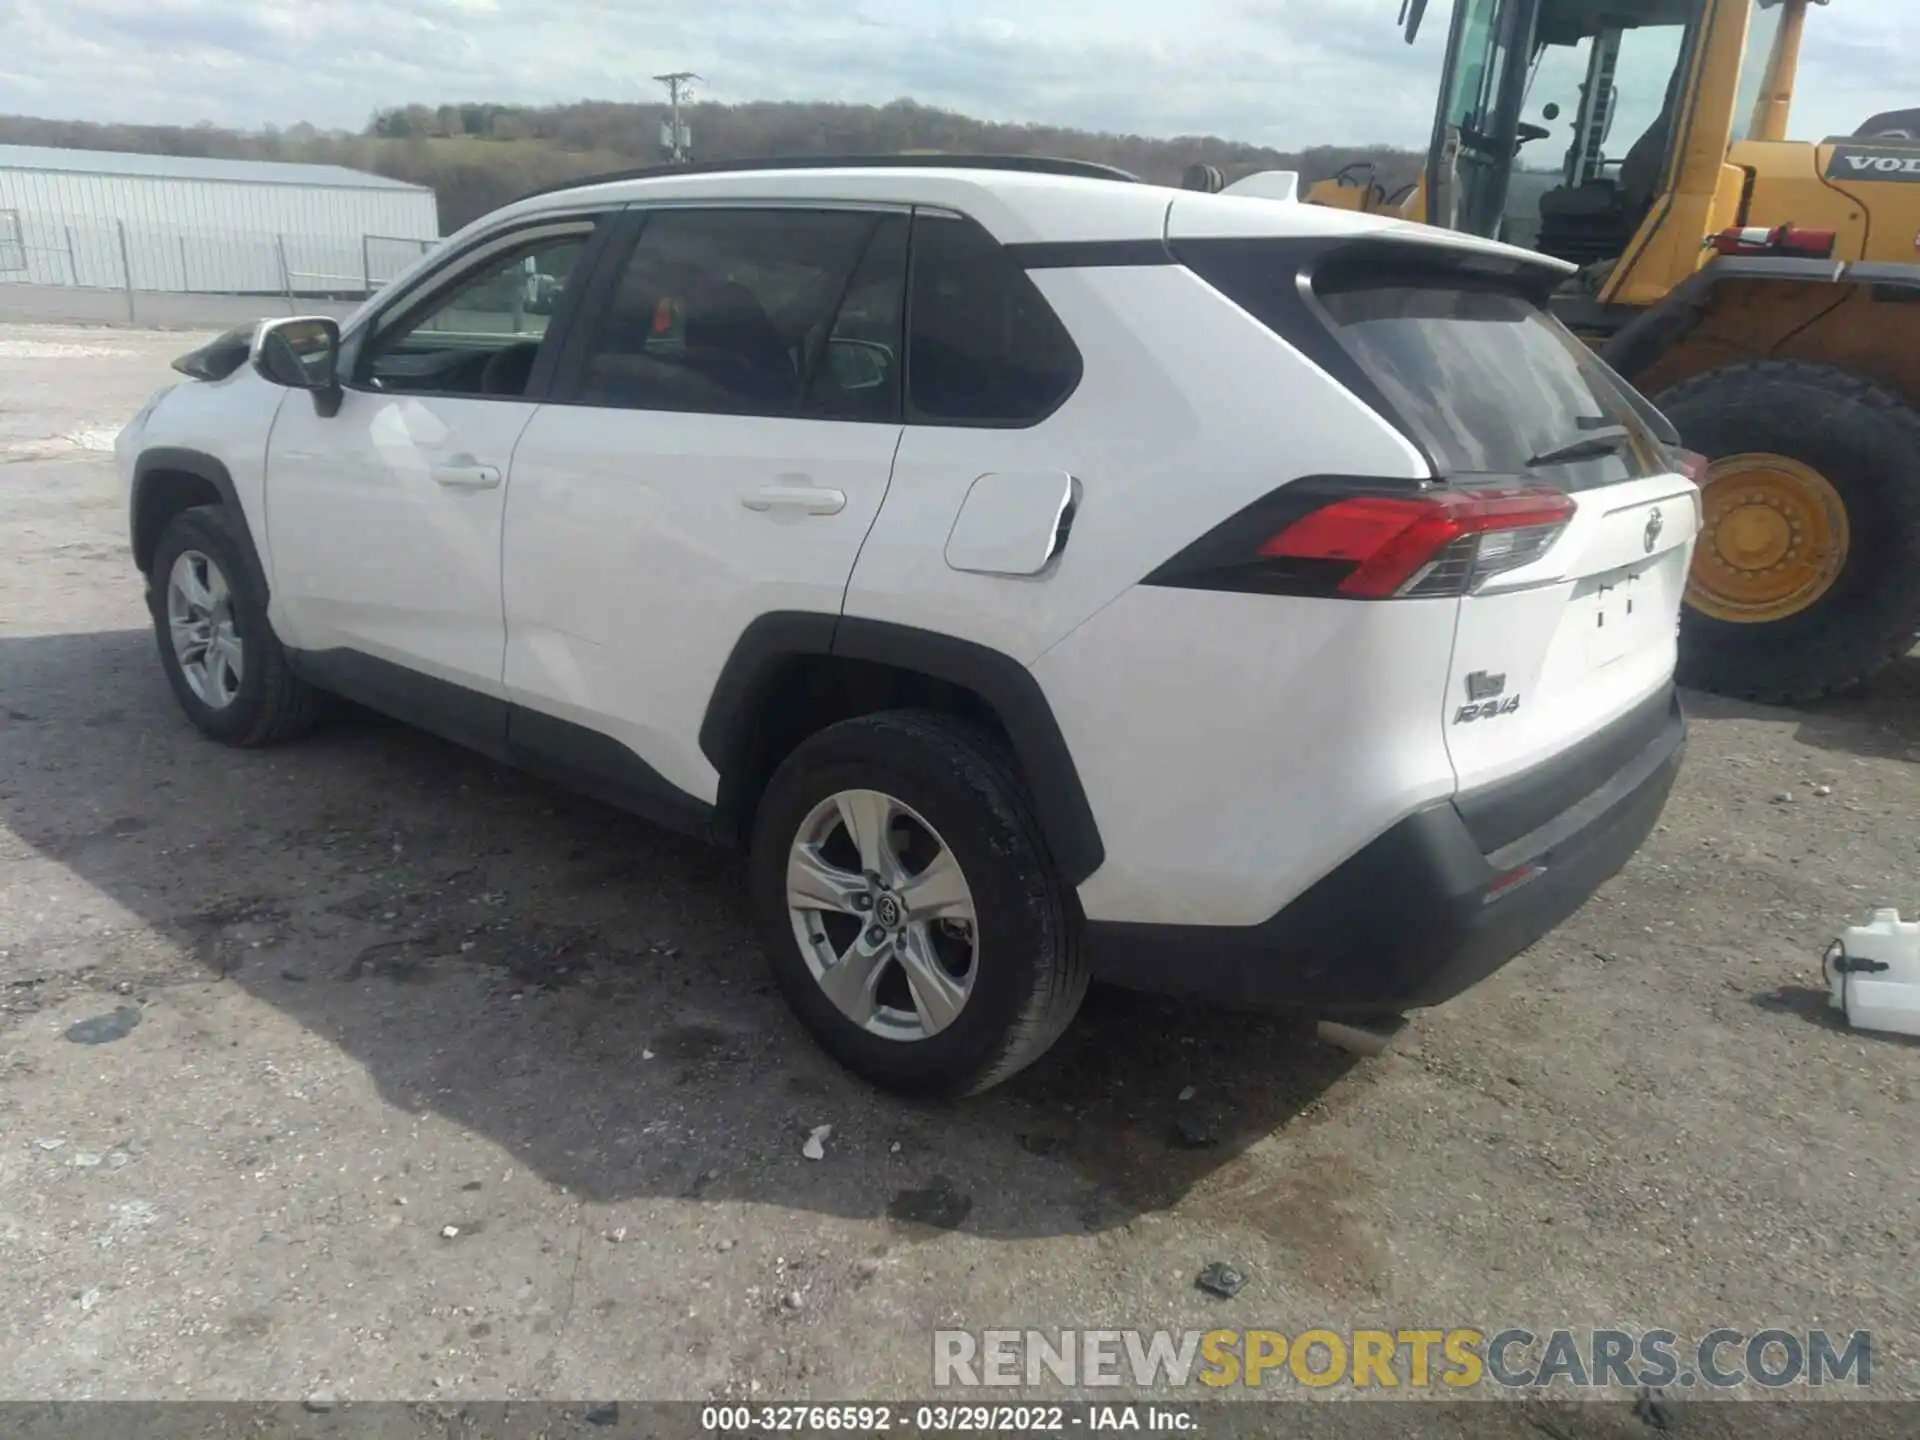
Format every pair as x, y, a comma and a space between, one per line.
1500, 395
1570, 582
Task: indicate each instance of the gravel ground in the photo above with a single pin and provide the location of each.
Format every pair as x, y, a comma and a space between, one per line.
442, 1083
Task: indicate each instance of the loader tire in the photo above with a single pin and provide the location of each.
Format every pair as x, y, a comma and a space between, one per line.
1789, 443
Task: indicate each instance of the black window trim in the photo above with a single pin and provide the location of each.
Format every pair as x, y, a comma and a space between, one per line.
896, 412
614, 246
610, 262
1090, 254
458, 267
622, 233
909, 411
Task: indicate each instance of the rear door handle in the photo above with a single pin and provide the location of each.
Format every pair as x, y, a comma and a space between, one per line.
806, 499
467, 476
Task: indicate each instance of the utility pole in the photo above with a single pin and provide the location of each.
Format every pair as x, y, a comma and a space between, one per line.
675, 138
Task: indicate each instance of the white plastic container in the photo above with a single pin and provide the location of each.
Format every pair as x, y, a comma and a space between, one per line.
1873, 974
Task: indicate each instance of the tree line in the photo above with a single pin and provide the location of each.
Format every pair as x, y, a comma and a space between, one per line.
477, 156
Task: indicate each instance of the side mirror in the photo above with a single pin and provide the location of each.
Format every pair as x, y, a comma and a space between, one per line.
858, 364
301, 353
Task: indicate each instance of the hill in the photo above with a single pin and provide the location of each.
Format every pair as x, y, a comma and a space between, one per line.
480, 155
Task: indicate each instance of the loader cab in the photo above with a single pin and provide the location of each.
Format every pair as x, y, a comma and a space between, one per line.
1557, 119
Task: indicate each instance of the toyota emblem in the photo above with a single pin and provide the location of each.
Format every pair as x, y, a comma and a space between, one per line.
1655, 524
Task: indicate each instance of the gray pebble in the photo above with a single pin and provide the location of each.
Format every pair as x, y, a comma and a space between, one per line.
104, 1029
1222, 1279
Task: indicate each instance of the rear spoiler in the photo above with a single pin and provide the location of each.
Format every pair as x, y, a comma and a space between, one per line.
1267, 185
1261, 184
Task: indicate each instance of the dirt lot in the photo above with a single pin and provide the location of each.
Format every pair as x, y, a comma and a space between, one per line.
447, 1084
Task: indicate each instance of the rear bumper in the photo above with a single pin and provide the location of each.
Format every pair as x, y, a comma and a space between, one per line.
1437, 903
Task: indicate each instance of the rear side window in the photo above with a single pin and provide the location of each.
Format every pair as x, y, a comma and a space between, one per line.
1492, 384
729, 312
983, 347
1467, 365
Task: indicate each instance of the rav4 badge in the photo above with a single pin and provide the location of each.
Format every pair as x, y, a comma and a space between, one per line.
1492, 710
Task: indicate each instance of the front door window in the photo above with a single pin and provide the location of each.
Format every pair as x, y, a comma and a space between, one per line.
481, 337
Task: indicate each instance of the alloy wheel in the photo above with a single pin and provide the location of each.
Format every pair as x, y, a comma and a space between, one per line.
883, 914
200, 623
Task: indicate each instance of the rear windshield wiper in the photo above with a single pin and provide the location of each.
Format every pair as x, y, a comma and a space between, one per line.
1604, 440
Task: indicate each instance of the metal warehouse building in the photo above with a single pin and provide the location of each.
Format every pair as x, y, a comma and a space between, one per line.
191, 225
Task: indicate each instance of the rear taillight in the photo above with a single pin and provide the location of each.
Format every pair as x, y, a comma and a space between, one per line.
1378, 547
1693, 466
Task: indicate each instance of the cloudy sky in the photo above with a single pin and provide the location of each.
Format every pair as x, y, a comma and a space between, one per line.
1281, 72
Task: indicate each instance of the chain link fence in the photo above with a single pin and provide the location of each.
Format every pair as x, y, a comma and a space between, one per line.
87, 270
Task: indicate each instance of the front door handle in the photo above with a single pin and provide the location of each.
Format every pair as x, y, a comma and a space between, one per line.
806, 499
467, 476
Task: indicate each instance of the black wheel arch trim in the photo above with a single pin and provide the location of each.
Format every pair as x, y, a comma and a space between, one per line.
762, 657
175, 460
772, 644
1641, 341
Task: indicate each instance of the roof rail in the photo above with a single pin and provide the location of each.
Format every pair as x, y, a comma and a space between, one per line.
915, 160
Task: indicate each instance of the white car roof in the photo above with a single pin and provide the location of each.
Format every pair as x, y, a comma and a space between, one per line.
1015, 206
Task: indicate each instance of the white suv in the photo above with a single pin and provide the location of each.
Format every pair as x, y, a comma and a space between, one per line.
1047, 575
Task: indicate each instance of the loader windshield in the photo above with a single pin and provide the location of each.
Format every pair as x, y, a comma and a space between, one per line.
1563, 150
1474, 134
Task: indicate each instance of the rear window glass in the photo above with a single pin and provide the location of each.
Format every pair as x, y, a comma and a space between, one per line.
1491, 384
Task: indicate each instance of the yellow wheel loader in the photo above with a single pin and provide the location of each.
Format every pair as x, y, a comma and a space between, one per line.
1764, 293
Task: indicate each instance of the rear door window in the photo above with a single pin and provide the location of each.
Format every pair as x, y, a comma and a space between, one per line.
727, 312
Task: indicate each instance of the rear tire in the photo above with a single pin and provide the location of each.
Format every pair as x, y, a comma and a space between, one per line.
203, 550
1864, 440
1024, 976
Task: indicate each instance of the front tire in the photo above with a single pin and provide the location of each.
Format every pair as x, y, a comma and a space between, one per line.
908, 906
226, 666
1806, 577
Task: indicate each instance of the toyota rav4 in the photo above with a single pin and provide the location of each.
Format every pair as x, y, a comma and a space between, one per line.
1043, 574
